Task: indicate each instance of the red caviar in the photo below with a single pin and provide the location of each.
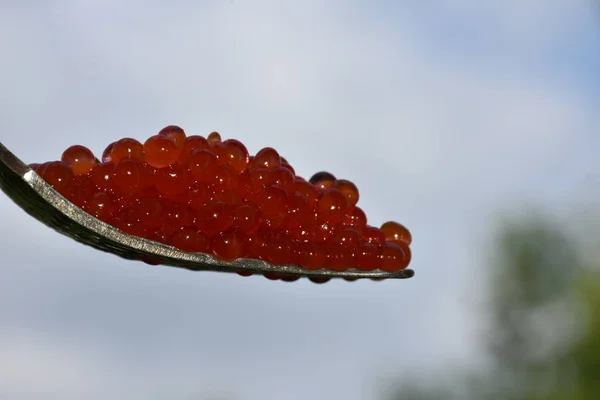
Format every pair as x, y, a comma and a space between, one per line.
127, 148
395, 232
210, 195
59, 175
161, 151
348, 188
192, 143
176, 134
214, 137
266, 158
332, 206
79, 158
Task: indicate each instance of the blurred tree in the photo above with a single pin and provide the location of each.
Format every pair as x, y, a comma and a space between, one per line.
533, 326
543, 319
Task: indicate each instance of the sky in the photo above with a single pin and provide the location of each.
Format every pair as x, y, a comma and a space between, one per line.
446, 114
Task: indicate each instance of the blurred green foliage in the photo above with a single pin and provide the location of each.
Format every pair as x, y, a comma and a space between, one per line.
543, 309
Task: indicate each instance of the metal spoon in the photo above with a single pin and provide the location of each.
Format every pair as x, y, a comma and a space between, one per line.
40, 200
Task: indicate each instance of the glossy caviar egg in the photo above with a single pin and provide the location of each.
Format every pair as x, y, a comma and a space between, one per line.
235, 154
225, 178
247, 218
347, 238
255, 245
177, 215
79, 158
312, 255
307, 190
127, 221
332, 206
82, 189
59, 175
151, 212
322, 176
282, 249
214, 137
228, 245
99, 206
172, 180
355, 217
391, 257
271, 201
127, 175
161, 151
214, 218
199, 195
258, 178
373, 235
192, 143
176, 134
102, 176
106, 155
366, 256
266, 158
395, 232
283, 178
407, 253
298, 210
127, 148
348, 188
203, 165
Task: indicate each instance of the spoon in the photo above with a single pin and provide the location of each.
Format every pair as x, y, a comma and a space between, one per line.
30, 192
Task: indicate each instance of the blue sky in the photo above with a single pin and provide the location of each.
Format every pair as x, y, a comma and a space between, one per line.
445, 115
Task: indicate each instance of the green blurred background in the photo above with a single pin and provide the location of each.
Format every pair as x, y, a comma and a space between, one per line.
541, 316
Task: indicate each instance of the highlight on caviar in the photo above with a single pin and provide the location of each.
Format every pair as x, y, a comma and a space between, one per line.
208, 195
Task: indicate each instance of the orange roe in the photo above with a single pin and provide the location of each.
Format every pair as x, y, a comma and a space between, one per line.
348, 189
228, 245
235, 155
176, 134
106, 157
332, 206
214, 137
100, 206
160, 151
192, 143
322, 176
203, 165
127, 175
391, 257
247, 218
211, 196
366, 256
355, 217
127, 148
395, 232
60, 176
370, 234
266, 158
79, 158
172, 180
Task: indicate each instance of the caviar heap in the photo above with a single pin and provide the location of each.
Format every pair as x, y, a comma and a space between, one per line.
210, 195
